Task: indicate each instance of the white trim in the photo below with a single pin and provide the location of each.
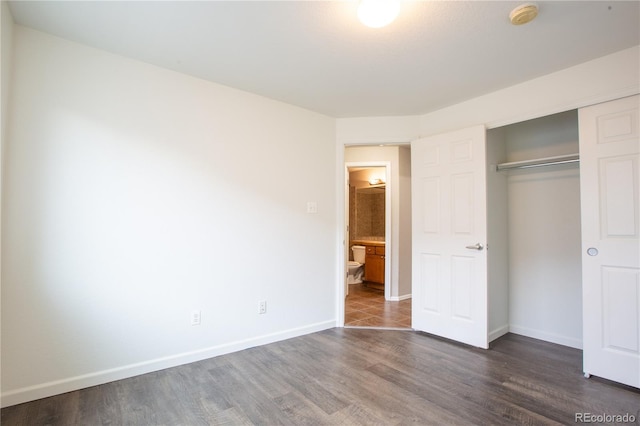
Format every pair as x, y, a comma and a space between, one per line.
498, 332
342, 289
43, 390
547, 337
366, 327
401, 141
399, 298
388, 264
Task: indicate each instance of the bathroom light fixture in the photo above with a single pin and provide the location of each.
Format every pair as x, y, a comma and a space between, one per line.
523, 13
376, 181
378, 13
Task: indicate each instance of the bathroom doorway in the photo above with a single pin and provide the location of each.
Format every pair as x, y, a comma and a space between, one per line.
372, 294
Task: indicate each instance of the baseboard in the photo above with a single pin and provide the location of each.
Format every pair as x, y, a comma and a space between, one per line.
399, 298
44, 390
547, 337
498, 332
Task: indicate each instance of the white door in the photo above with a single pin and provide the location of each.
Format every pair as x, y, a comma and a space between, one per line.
448, 187
610, 197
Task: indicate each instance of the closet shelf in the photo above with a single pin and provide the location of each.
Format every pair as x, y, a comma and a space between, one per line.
539, 162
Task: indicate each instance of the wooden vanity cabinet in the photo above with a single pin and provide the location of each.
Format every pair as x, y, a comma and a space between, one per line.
374, 264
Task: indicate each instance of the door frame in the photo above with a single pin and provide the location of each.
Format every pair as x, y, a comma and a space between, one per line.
387, 222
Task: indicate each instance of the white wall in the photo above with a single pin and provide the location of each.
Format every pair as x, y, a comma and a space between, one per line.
545, 282
497, 236
404, 225
535, 280
545, 269
6, 55
377, 130
134, 195
603, 79
6, 38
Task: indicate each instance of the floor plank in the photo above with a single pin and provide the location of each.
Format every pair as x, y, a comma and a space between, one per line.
350, 377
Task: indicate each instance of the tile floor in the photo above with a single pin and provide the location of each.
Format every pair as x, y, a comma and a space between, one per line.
365, 306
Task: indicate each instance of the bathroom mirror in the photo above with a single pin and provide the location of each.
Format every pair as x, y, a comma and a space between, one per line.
369, 212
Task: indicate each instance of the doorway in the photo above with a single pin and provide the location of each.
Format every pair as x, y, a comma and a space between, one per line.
379, 296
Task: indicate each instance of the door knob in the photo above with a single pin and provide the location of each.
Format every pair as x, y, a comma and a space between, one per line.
476, 246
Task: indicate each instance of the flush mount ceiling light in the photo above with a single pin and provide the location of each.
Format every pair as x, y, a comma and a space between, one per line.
378, 13
523, 13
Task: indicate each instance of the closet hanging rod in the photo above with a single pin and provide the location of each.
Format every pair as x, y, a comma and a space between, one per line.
540, 162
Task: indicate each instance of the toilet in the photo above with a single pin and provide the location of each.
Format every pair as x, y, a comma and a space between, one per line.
356, 266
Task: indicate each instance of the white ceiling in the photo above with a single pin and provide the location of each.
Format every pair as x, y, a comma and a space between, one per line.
315, 54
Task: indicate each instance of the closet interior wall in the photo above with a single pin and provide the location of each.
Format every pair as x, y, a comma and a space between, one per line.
534, 257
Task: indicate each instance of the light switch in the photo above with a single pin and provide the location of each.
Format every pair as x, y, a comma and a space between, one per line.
195, 317
312, 207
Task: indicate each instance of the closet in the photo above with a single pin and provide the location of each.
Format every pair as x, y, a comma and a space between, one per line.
534, 228
534, 235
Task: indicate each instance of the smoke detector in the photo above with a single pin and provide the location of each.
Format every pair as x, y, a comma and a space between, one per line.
523, 13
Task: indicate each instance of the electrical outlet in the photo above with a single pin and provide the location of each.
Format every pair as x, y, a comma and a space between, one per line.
262, 309
195, 317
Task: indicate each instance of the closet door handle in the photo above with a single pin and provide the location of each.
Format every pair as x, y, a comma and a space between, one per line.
476, 246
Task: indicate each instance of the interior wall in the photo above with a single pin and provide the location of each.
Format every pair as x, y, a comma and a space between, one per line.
497, 236
6, 39
6, 55
545, 276
361, 178
404, 227
377, 130
134, 195
603, 79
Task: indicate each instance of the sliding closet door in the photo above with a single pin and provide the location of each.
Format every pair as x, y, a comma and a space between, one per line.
449, 230
610, 198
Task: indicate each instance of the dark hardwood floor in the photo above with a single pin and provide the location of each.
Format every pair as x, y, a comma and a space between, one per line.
350, 376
